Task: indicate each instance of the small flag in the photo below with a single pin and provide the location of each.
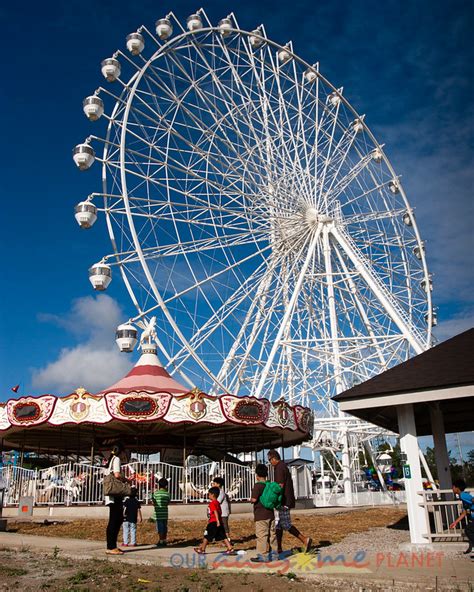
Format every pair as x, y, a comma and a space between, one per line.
15, 388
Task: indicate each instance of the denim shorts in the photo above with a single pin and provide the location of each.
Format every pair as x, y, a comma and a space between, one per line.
162, 527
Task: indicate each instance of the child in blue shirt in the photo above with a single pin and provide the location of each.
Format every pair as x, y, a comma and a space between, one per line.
132, 514
467, 500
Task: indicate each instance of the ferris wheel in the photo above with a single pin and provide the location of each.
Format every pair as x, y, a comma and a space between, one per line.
253, 214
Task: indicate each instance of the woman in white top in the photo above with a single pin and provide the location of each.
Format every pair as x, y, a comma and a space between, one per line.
114, 502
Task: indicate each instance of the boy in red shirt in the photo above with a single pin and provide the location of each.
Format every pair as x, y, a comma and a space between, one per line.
215, 529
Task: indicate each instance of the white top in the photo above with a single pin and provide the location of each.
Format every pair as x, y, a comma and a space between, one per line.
222, 499
115, 467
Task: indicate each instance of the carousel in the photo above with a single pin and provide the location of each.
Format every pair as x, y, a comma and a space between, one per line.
150, 412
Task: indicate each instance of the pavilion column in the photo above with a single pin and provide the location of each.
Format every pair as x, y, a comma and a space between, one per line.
440, 448
409, 445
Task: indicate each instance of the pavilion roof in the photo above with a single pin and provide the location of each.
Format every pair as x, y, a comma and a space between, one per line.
451, 363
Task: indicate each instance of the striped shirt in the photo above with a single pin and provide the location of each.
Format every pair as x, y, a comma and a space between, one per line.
161, 499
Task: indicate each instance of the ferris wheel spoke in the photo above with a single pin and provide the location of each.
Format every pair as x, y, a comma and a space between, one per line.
379, 290
161, 163
361, 309
352, 174
214, 112
227, 308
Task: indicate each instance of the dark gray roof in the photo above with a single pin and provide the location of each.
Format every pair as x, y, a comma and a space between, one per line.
451, 363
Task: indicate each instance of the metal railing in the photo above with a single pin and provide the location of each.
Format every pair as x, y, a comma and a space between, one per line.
441, 510
81, 484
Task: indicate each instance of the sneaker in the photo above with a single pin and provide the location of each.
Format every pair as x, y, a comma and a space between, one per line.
124, 545
257, 560
132, 545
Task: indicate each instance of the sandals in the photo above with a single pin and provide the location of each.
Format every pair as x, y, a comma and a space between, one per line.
114, 552
199, 551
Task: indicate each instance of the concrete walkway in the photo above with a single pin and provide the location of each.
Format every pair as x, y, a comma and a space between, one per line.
427, 567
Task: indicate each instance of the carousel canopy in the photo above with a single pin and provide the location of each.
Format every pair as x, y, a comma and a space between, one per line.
150, 411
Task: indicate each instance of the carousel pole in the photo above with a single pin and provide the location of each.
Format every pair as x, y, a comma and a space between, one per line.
185, 472
22, 453
78, 444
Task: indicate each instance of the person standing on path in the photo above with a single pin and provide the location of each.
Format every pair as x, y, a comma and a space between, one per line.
264, 518
282, 516
114, 502
161, 500
223, 499
132, 514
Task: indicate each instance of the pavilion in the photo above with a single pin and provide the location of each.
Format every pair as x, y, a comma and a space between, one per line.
430, 394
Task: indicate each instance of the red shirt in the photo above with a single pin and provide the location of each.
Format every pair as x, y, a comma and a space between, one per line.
213, 506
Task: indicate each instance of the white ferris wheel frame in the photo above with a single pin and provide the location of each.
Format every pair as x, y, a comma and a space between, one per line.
327, 233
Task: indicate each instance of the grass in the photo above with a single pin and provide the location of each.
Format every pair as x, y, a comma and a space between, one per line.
324, 529
79, 577
7, 571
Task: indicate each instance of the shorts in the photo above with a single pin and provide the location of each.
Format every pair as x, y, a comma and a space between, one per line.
283, 519
162, 527
214, 532
225, 523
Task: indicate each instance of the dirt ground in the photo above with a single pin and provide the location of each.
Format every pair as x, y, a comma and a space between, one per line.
32, 572
324, 530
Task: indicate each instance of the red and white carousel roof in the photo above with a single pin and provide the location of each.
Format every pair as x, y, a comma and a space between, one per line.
148, 375
150, 410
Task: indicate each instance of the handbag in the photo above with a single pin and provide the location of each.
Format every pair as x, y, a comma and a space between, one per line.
113, 486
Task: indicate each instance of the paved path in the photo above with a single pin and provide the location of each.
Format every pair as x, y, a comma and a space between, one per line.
396, 566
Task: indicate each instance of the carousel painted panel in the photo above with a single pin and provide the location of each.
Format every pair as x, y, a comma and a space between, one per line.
80, 407
138, 406
245, 410
196, 407
281, 415
304, 419
4, 421
29, 411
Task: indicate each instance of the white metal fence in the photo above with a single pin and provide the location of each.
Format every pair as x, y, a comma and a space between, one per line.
329, 497
76, 483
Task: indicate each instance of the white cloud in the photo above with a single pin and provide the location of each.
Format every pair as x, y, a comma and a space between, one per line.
95, 362
455, 325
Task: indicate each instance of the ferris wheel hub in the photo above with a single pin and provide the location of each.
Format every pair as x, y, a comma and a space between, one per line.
313, 218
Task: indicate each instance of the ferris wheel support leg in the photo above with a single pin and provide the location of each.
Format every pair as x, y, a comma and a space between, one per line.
377, 291
370, 450
323, 482
346, 469
426, 468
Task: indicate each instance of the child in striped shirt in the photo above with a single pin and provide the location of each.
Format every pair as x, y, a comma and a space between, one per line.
161, 499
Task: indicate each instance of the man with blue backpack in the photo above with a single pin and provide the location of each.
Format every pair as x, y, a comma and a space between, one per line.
467, 500
282, 515
265, 497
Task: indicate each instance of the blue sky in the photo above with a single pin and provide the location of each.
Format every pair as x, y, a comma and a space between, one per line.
408, 66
